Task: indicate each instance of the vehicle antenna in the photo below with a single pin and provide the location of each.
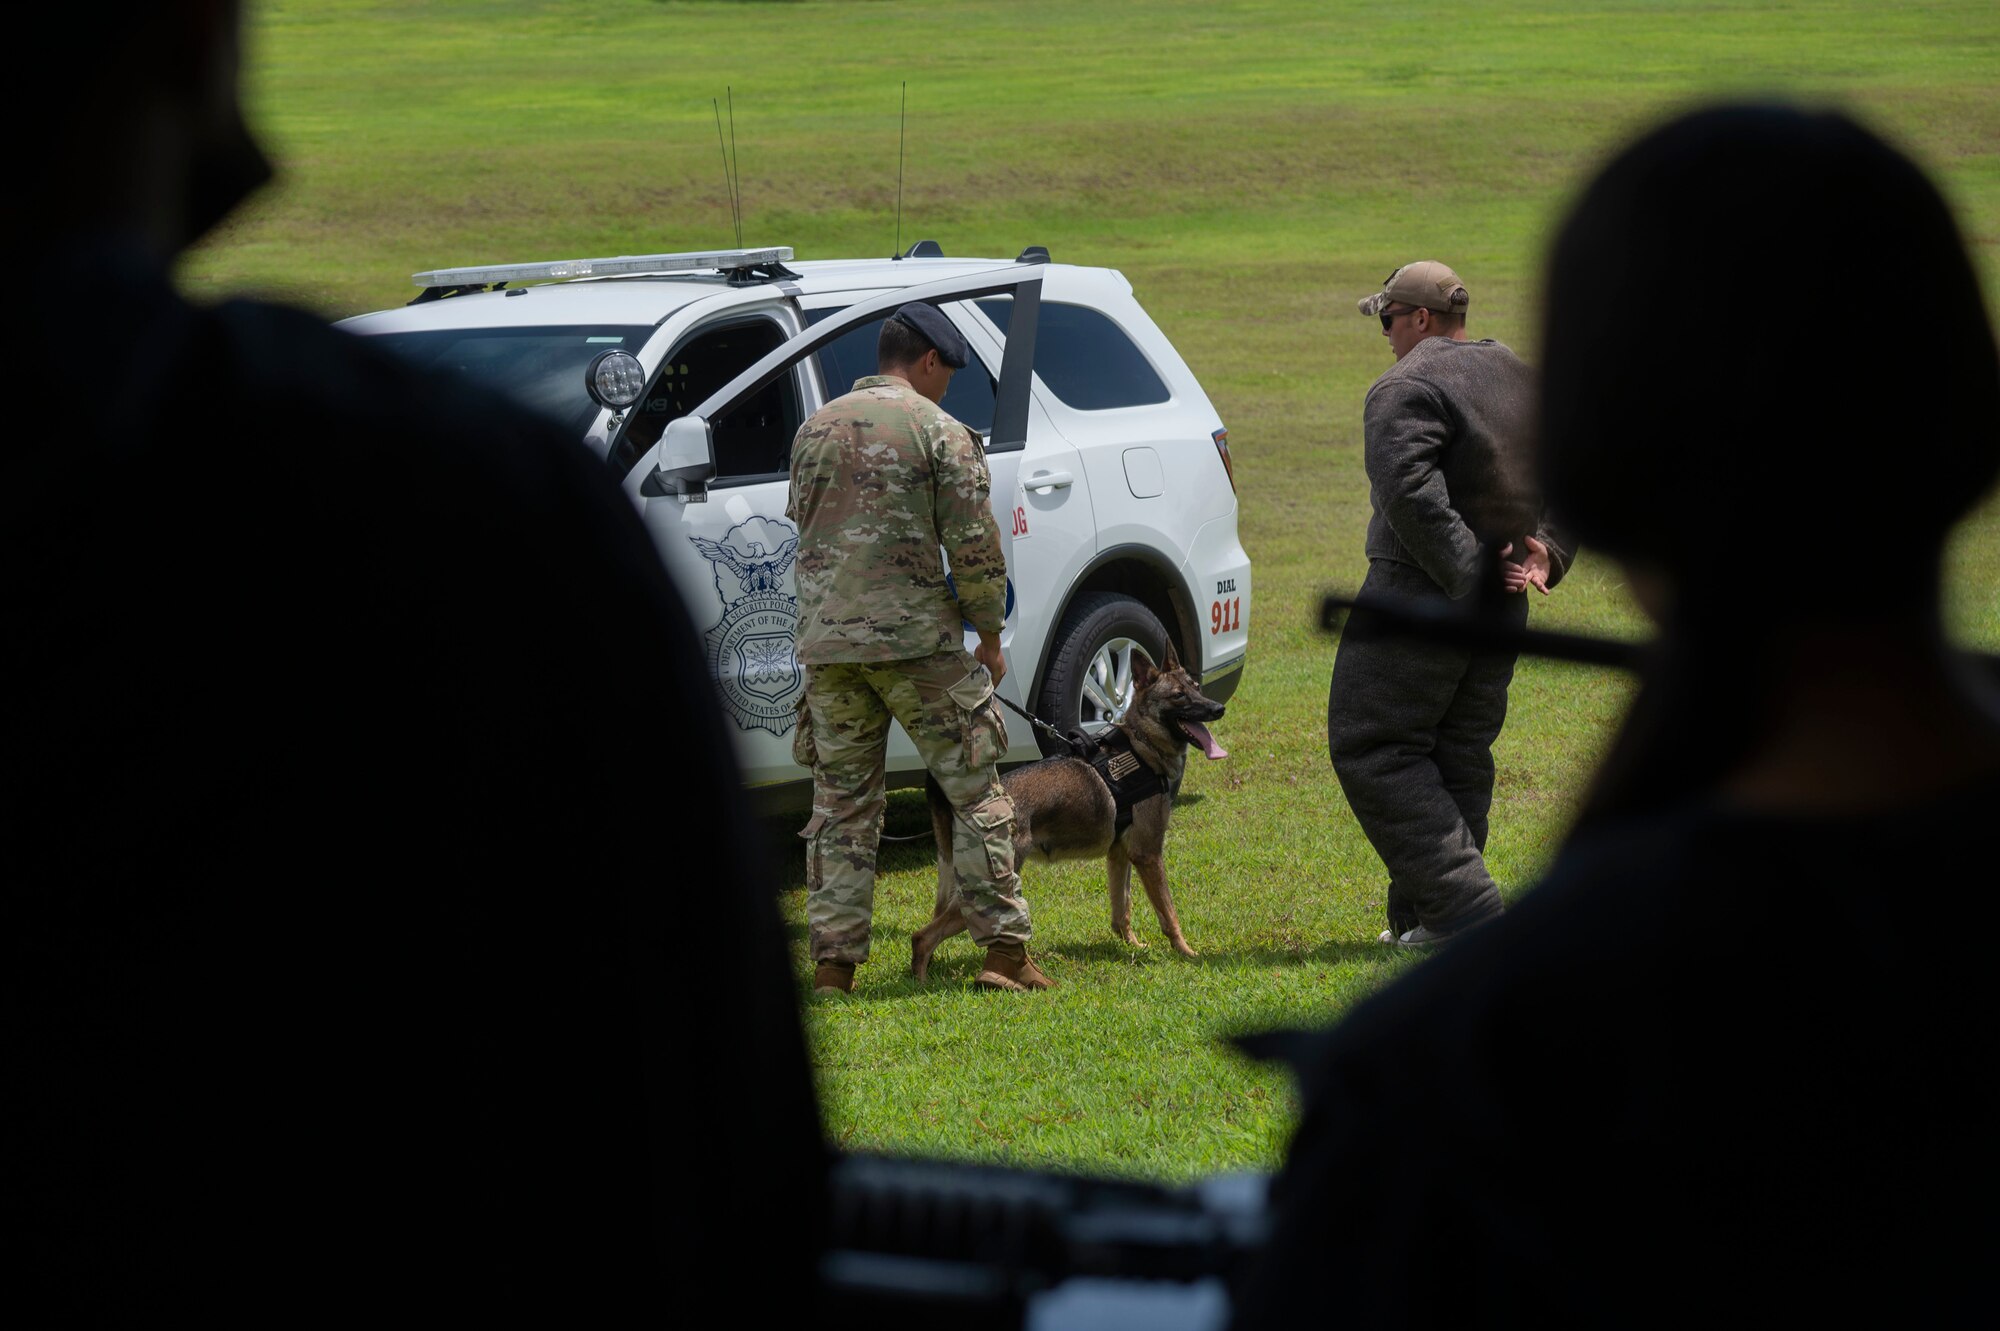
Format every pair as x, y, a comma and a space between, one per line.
735, 168
728, 185
902, 138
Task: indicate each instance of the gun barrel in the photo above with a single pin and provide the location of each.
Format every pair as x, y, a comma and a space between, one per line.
1387, 616
1395, 616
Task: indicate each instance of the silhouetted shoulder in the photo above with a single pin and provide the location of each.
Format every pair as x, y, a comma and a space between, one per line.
1672, 1013
334, 887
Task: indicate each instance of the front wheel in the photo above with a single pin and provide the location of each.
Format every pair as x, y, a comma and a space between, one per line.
1089, 681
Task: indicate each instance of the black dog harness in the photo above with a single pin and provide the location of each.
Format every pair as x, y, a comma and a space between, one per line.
1131, 780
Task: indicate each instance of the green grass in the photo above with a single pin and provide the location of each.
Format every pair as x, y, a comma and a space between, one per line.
1253, 169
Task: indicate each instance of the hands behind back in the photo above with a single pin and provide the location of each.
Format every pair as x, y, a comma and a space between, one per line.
1531, 571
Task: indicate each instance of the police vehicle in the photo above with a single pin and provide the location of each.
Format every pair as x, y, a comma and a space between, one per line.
690, 373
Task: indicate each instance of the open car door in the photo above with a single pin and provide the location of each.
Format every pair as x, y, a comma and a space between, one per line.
726, 538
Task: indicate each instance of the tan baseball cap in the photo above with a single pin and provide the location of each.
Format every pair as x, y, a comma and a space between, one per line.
1426, 282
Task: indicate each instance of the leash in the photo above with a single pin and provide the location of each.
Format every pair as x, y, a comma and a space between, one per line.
1079, 745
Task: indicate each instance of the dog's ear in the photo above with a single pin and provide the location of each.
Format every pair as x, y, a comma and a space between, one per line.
1172, 663
1143, 673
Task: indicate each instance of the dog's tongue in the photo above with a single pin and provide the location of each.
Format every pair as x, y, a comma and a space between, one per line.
1198, 732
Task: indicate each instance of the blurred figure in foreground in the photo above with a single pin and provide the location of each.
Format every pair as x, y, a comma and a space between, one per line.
1730, 1054
356, 956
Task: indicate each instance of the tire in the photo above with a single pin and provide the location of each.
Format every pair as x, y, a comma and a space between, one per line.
1090, 664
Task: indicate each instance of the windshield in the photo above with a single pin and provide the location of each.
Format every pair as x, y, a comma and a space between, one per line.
541, 369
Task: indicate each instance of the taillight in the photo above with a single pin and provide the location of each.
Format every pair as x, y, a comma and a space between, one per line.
1221, 438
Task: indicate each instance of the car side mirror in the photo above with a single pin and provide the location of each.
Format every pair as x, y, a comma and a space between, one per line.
687, 461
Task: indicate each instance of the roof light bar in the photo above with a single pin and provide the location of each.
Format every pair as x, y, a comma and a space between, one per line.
691, 262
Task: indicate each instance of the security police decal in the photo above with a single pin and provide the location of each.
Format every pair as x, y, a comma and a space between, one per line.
750, 650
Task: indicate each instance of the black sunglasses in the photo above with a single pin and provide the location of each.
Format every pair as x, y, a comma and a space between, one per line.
1390, 316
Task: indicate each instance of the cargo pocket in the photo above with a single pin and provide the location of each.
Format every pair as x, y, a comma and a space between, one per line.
810, 835
993, 822
985, 736
804, 752
980, 722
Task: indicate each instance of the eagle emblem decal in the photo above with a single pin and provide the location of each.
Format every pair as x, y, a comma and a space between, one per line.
750, 651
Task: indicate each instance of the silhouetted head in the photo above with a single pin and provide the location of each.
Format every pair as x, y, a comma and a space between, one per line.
1808, 393
146, 138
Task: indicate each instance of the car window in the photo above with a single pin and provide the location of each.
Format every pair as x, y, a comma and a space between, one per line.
1084, 358
753, 440
851, 356
542, 369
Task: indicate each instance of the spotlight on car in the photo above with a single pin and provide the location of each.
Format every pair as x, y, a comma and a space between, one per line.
616, 379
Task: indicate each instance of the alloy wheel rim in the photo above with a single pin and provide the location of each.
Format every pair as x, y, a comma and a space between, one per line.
1107, 684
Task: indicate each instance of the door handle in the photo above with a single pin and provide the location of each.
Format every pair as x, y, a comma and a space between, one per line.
1049, 480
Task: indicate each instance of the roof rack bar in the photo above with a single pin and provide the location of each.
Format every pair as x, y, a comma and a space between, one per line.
728, 261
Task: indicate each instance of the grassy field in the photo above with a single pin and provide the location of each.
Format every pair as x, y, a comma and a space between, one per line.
1252, 168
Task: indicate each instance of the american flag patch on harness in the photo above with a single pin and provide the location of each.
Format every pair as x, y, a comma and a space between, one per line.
1126, 775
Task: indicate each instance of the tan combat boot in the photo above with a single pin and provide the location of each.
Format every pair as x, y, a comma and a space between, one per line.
1007, 967
833, 977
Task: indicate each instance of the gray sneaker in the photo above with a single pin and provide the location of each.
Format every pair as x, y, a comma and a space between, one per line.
1424, 937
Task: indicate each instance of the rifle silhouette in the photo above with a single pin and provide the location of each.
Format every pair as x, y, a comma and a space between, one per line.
1476, 631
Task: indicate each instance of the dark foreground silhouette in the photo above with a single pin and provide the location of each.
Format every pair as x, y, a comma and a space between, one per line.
1729, 1055
370, 949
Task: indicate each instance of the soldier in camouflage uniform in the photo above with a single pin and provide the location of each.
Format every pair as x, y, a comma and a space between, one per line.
881, 479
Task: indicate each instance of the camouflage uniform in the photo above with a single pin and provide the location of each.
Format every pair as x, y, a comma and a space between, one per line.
881, 478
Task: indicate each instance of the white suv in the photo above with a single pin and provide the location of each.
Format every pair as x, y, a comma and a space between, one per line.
690, 373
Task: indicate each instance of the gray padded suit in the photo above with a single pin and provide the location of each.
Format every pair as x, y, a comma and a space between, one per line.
1411, 725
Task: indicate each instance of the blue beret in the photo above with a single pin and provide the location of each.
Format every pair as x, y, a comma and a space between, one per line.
939, 331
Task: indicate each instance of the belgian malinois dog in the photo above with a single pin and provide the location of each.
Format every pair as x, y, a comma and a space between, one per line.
1067, 809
